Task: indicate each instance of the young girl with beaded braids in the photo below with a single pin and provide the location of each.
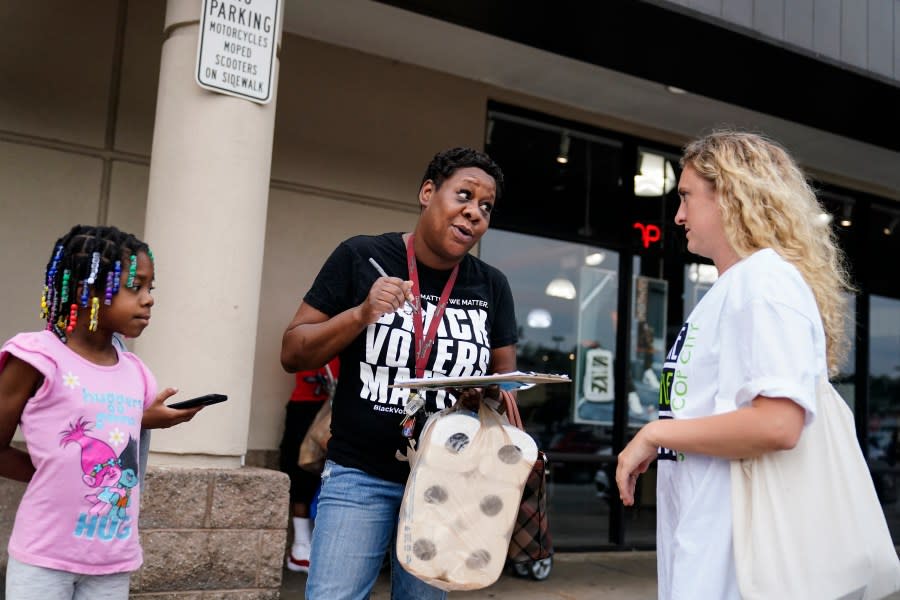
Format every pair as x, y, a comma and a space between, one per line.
81, 401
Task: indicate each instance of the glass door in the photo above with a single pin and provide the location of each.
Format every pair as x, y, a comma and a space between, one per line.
884, 406
565, 297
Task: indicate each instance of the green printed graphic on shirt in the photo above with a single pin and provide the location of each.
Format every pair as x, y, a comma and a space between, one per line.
673, 389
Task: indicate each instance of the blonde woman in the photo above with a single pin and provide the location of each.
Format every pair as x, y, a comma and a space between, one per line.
740, 379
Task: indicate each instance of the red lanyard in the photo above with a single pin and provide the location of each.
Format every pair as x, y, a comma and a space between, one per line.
424, 344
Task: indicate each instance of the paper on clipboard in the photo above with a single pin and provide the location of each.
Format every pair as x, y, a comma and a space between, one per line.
514, 380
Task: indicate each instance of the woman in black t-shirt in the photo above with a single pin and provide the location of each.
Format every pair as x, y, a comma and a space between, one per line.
439, 310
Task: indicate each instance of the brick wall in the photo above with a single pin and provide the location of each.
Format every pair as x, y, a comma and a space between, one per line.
206, 533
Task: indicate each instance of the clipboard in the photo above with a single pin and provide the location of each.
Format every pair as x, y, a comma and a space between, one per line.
514, 380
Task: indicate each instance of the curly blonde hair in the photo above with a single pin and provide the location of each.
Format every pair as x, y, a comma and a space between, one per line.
767, 202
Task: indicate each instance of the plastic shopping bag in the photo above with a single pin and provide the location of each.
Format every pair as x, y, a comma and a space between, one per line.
462, 498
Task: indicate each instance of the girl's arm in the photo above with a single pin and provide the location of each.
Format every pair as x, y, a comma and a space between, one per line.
767, 425
18, 383
160, 416
312, 338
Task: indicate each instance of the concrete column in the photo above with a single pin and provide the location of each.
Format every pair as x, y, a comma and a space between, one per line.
206, 222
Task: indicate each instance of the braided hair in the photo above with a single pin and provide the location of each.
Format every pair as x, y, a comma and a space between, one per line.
93, 258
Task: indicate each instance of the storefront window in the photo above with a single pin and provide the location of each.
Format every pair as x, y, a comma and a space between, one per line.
845, 381
698, 278
561, 181
561, 326
884, 363
566, 297
884, 406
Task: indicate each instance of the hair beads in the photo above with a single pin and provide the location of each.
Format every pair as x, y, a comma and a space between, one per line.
49, 293
117, 276
55, 262
65, 287
64, 297
73, 318
45, 312
95, 266
132, 271
108, 294
95, 314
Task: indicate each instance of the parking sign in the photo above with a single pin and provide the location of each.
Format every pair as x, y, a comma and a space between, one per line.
236, 48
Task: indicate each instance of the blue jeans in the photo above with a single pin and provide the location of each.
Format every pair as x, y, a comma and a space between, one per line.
356, 524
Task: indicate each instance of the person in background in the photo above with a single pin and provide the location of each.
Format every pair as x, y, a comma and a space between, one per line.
740, 380
81, 401
311, 390
435, 309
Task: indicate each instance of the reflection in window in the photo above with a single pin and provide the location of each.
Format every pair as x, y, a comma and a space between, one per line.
698, 278
844, 380
556, 333
569, 176
648, 330
883, 240
884, 406
597, 321
655, 177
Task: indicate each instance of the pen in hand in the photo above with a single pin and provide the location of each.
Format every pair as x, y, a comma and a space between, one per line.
407, 306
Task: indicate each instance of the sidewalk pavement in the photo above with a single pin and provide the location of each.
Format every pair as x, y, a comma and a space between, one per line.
574, 576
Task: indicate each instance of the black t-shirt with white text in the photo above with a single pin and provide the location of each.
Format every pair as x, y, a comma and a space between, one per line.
366, 413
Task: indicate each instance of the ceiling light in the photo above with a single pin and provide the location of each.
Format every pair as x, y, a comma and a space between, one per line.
594, 259
847, 215
824, 219
561, 288
563, 156
655, 177
675, 90
892, 226
539, 318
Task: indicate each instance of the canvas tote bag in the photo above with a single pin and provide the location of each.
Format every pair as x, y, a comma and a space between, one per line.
807, 522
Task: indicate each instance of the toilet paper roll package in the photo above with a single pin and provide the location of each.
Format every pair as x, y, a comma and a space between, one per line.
462, 498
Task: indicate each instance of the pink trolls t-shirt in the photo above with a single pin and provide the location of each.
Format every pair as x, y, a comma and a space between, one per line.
82, 428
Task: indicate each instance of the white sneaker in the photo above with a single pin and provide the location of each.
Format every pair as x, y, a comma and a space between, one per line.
298, 559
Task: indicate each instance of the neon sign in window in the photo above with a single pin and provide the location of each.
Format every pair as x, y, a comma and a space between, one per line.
650, 234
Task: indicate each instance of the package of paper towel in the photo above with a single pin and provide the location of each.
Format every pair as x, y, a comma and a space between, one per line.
462, 498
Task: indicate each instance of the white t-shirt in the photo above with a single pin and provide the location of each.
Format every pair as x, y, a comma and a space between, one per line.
757, 331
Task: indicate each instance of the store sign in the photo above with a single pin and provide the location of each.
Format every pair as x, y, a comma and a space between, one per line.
650, 234
598, 375
236, 49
